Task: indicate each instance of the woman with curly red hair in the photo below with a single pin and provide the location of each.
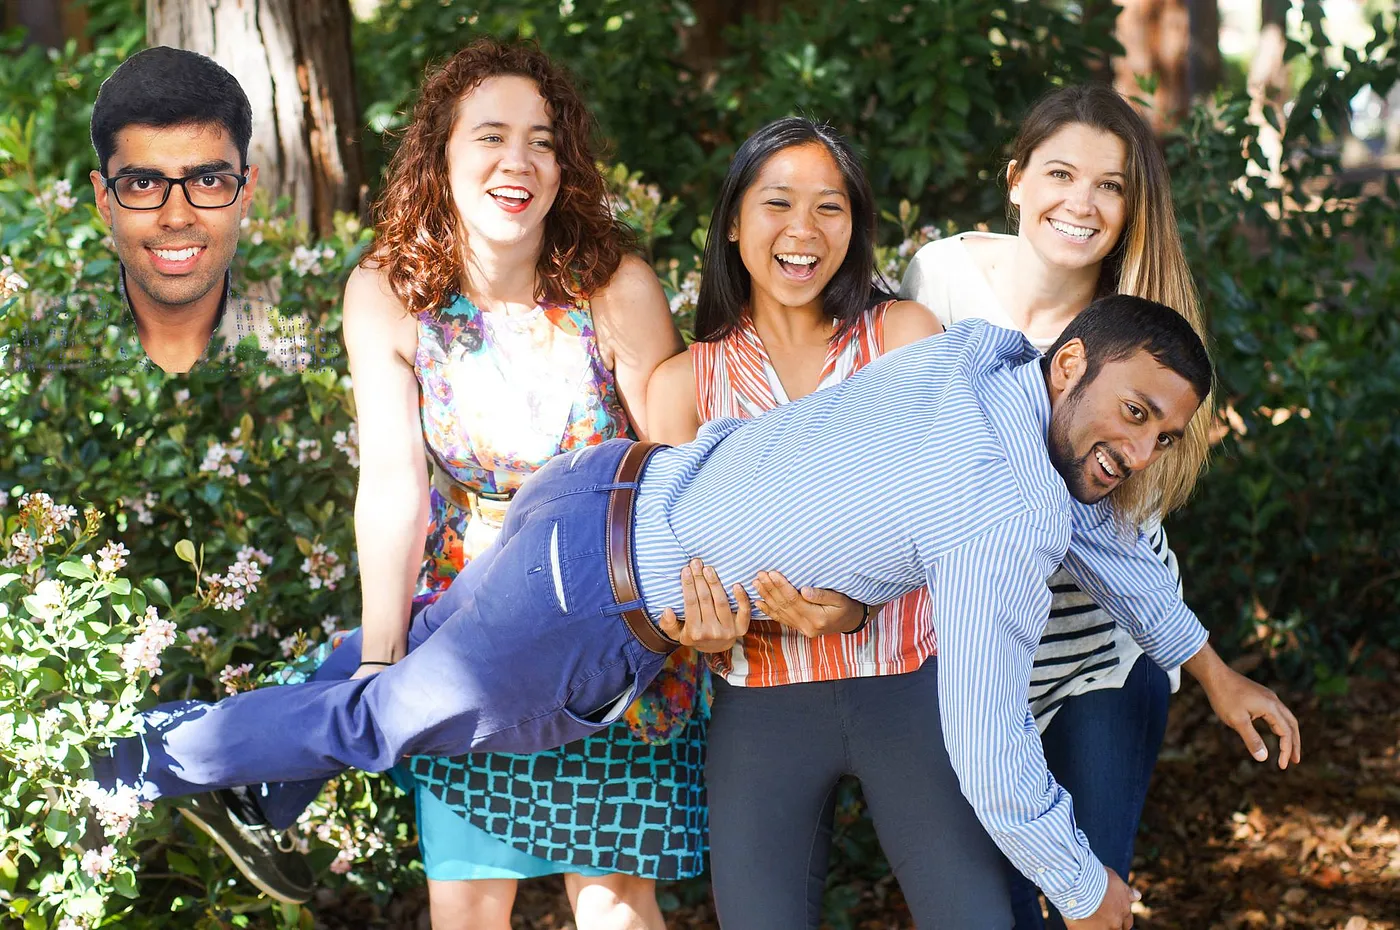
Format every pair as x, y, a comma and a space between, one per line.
497, 321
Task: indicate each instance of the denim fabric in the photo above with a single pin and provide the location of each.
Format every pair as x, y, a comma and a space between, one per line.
524, 652
1102, 747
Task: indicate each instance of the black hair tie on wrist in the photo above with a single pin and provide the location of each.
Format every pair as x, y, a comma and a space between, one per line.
864, 619
377, 663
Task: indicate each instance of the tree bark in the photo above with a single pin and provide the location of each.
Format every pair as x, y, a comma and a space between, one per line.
42, 21
704, 43
1203, 62
1156, 40
293, 58
1268, 84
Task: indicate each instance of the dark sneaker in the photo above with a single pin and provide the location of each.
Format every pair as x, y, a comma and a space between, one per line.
265, 856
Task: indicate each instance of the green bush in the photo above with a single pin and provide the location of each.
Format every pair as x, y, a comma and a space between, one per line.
1293, 540
1290, 545
930, 90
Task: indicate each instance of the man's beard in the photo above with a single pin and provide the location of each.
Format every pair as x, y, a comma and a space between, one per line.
1061, 449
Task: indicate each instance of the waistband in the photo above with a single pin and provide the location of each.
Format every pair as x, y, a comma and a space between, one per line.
621, 571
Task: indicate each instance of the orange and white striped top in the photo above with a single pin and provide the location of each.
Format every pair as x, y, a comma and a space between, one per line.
735, 378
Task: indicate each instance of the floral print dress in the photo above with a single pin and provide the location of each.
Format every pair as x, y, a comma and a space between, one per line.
501, 395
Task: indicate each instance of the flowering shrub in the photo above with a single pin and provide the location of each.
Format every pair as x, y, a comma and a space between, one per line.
79, 647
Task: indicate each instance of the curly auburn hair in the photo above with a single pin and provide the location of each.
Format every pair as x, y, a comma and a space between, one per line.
417, 233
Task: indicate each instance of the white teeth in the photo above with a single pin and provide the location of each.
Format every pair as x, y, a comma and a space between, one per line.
1077, 232
515, 193
794, 259
1103, 460
179, 256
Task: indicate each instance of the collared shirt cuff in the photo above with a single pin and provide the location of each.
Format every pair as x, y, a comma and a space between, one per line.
1084, 897
1175, 639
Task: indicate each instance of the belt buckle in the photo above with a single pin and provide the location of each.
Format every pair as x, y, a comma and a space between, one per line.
490, 509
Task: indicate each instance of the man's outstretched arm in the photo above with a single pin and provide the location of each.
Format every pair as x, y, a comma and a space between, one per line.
1120, 570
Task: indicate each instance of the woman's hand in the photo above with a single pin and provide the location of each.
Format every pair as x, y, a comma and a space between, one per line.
812, 611
709, 624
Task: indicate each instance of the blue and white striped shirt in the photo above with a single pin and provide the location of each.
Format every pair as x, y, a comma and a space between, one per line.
928, 467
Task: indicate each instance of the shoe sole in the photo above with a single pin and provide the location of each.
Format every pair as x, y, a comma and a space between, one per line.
239, 861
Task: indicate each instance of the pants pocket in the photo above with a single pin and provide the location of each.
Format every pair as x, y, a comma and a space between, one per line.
599, 702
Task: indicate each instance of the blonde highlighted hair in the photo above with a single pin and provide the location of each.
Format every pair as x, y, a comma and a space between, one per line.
1147, 261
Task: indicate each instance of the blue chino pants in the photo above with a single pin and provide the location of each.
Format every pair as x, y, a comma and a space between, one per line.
524, 652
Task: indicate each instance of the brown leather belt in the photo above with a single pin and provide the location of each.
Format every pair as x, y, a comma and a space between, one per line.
621, 502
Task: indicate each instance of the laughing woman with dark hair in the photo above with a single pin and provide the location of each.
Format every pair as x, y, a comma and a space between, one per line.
821, 686
496, 323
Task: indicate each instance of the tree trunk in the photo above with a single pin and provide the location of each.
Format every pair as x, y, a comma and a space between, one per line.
704, 44
42, 21
1156, 40
1268, 83
1203, 64
293, 58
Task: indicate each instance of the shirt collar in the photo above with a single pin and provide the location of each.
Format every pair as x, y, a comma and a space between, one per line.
1030, 377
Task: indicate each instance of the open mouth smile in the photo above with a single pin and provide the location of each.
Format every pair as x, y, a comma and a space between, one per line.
510, 198
1111, 471
1073, 232
799, 266
175, 261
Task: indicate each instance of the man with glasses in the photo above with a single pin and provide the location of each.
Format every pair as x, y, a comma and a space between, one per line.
171, 131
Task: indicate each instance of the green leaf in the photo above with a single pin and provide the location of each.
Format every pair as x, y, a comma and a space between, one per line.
75, 570
48, 679
181, 863
56, 827
158, 590
125, 883
184, 551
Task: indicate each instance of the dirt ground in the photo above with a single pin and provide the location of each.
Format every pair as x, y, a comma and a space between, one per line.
1226, 843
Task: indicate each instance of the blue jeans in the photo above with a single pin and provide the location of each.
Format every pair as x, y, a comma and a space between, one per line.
525, 651
1102, 746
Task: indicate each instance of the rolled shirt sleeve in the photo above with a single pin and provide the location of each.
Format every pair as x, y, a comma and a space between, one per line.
990, 605
1121, 571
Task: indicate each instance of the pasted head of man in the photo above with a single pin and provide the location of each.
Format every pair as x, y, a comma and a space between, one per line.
171, 130
1125, 377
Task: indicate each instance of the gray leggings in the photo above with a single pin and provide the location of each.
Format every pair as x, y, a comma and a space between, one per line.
775, 756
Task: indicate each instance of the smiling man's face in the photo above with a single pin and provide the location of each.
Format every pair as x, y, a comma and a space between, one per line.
177, 254
1108, 426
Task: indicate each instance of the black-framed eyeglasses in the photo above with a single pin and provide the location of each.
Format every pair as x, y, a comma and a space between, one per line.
208, 190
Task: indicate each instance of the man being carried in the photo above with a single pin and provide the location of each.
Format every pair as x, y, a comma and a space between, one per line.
995, 457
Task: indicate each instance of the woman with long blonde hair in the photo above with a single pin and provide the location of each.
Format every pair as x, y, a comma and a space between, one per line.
1091, 203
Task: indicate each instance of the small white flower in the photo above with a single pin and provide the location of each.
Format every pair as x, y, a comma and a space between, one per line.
50, 593
111, 558
233, 676
98, 863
